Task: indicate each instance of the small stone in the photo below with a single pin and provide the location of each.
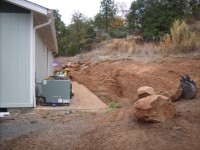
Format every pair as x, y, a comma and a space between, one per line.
176, 128
68, 112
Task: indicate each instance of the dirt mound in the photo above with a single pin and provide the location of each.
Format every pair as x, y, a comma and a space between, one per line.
119, 80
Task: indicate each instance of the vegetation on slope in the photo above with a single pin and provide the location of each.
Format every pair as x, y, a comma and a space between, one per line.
155, 21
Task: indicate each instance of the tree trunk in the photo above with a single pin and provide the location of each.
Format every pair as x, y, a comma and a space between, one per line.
106, 18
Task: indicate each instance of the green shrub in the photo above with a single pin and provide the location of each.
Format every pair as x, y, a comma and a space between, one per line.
73, 49
117, 34
114, 105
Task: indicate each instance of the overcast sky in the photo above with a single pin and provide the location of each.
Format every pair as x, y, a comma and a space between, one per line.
67, 7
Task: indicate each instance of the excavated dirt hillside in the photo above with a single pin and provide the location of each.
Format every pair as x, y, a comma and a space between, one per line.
118, 81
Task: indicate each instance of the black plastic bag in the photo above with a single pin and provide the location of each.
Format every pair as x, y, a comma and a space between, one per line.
189, 88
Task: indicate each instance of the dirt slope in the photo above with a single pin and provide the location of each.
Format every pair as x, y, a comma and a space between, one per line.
119, 80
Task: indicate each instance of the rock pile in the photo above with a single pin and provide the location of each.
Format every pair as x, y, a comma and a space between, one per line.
73, 66
151, 107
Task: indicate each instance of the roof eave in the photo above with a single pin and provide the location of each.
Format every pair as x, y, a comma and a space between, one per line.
30, 6
52, 25
41, 10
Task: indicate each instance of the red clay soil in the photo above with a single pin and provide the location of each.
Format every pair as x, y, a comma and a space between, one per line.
119, 80
117, 130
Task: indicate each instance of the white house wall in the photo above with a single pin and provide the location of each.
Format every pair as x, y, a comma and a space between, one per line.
15, 58
51, 60
43, 60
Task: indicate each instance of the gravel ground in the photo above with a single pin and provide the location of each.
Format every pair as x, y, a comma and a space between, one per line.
48, 127
18, 124
112, 130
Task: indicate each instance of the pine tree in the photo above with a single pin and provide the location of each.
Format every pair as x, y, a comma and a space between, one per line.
107, 10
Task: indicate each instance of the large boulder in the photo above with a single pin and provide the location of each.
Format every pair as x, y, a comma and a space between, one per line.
154, 108
145, 91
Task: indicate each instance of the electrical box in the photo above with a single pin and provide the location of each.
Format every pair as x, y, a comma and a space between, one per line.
56, 91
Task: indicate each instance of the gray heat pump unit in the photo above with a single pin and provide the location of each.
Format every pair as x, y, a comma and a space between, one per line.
56, 91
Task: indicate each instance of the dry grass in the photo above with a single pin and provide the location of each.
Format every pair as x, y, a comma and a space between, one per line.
117, 49
132, 48
194, 25
180, 40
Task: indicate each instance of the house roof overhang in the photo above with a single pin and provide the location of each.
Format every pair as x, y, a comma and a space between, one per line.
41, 15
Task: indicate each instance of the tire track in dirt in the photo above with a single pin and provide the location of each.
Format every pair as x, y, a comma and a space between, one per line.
118, 121
121, 114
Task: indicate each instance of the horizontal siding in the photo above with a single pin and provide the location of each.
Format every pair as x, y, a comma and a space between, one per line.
15, 60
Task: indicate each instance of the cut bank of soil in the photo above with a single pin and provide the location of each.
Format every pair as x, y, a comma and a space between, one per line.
117, 129
119, 80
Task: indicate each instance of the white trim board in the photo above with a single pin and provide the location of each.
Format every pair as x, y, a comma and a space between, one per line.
32, 63
30, 6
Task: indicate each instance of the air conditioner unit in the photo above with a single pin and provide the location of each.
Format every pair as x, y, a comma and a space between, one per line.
56, 91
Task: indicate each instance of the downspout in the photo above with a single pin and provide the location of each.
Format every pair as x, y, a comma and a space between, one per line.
42, 25
34, 50
47, 62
